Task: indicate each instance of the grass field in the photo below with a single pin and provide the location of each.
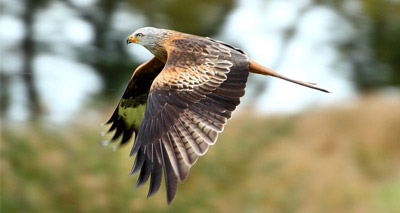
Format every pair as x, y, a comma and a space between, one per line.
337, 159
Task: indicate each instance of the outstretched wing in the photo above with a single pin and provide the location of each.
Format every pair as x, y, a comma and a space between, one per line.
189, 103
127, 116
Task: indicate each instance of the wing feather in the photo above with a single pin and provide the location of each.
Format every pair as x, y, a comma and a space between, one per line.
184, 148
176, 160
171, 182
188, 104
156, 171
188, 138
127, 116
205, 112
139, 160
198, 130
145, 170
206, 120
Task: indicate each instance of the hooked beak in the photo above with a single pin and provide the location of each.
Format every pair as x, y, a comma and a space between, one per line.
131, 39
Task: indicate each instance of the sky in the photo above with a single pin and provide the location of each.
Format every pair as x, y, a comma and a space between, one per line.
310, 55
255, 26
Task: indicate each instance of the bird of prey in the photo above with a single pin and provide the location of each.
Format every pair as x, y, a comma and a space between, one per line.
177, 103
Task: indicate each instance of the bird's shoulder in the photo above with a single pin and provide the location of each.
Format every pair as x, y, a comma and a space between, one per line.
206, 46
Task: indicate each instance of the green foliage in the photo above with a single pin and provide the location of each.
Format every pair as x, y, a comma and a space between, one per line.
328, 161
197, 17
70, 172
373, 50
384, 38
388, 196
48, 172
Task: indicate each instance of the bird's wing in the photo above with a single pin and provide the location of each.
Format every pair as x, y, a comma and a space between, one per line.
127, 116
189, 103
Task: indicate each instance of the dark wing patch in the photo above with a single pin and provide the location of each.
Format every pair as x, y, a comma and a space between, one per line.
189, 103
228, 45
127, 116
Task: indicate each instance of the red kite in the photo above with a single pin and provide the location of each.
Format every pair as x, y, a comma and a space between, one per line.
177, 102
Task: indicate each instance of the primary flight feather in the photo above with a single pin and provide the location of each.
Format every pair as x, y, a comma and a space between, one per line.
177, 102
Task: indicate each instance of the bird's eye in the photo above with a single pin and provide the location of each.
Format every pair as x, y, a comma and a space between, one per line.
139, 35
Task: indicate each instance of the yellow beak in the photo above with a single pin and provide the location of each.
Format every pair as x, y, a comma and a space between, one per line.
131, 39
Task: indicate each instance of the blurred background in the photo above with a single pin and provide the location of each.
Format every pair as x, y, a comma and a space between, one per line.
64, 66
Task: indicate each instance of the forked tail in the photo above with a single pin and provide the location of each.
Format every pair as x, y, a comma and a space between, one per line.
259, 69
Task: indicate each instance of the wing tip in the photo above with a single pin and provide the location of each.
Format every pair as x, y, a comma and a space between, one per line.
323, 90
169, 200
139, 184
104, 142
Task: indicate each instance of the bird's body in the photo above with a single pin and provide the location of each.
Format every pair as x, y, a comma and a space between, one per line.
177, 102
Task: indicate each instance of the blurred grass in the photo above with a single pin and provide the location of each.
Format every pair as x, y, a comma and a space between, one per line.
338, 159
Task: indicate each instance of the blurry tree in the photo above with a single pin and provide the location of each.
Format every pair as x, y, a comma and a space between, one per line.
383, 34
197, 17
4, 93
374, 49
107, 53
28, 52
288, 34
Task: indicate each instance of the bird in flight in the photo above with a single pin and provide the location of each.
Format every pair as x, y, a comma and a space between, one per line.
177, 103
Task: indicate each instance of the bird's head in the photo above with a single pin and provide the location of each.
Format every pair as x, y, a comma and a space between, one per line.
146, 36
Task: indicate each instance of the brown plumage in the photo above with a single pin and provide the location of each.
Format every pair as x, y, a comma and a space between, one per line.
177, 102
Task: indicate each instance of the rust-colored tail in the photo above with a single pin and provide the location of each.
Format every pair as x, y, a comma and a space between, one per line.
259, 69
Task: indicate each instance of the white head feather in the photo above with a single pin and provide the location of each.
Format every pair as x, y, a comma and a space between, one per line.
148, 36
